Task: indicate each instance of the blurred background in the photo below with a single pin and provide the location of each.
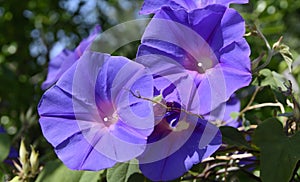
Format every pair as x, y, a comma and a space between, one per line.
34, 31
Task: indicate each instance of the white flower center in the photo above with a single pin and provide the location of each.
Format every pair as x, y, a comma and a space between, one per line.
110, 120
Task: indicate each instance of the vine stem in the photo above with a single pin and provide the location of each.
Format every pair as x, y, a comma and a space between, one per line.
227, 158
251, 101
271, 51
137, 95
251, 107
278, 104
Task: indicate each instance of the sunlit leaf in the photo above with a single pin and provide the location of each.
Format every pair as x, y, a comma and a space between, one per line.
273, 79
56, 171
90, 176
122, 172
15, 179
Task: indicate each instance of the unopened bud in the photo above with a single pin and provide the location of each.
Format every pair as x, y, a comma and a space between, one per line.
34, 161
26, 169
23, 153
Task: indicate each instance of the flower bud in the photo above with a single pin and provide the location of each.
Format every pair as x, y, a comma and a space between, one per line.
23, 153
26, 169
34, 162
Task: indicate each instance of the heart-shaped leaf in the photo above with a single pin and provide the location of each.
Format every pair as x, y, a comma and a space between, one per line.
279, 153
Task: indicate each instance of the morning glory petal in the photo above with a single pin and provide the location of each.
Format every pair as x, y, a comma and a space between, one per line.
222, 115
206, 43
91, 116
203, 141
64, 60
151, 6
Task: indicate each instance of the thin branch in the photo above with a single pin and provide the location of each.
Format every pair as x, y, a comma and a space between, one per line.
278, 104
263, 37
242, 128
251, 100
206, 170
256, 61
271, 51
228, 158
249, 107
137, 95
147, 99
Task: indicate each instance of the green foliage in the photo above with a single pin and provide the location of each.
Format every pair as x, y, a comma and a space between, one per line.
56, 171
124, 172
287, 56
233, 137
271, 78
4, 146
279, 153
1, 176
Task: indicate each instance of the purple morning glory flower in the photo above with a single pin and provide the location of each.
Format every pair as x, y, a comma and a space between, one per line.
91, 117
64, 60
152, 6
198, 59
207, 43
177, 143
180, 138
170, 157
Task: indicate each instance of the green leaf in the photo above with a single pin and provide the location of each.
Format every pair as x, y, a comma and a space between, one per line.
90, 176
273, 79
136, 177
122, 172
56, 171
233, 137
4, 146
158, 98
279, 153
15, 179
241, 176
1, 176
284, 50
